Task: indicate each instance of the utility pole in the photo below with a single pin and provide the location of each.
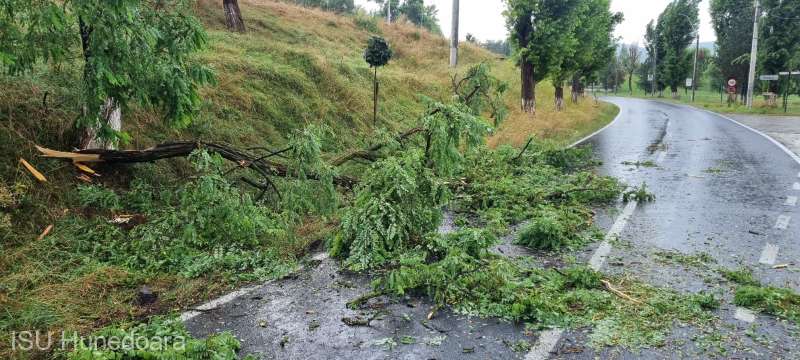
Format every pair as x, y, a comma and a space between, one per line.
694, 71
454, 37
655, 64
389, 11
751, 78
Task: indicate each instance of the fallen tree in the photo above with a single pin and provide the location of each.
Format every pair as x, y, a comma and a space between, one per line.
261, 164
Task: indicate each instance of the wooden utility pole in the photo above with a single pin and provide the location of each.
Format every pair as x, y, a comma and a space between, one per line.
751, 77
454, 37
694, 69
389, 12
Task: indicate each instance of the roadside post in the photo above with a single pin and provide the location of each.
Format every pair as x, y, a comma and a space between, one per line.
770, 97
786, 85
731, 91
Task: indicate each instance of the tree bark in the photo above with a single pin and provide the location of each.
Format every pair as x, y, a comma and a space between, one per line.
559, 97
576, 89
111, 114
375, 98
630, 83
233, 16
528, 88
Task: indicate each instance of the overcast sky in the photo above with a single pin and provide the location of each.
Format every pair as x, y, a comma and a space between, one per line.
484, 18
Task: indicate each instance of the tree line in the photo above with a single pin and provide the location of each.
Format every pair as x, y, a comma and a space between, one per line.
561, 40
669, 54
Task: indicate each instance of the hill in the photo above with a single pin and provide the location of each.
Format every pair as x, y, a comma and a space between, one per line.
294, 66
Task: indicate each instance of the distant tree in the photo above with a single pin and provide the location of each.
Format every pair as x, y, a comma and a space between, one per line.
500, 47
377, 54
677, 26
537, 36
233, 16
733, 24
597, 44
414, 10
630, 59
472, 39
656, 51
133, 52
337, 6
780, 37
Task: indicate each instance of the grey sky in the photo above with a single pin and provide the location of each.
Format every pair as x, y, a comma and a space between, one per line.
484, 18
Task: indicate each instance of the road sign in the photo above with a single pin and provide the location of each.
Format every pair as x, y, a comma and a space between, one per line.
732, 82
649, 77
768, 77
688, 82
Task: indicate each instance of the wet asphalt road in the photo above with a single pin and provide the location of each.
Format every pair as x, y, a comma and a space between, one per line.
721, 189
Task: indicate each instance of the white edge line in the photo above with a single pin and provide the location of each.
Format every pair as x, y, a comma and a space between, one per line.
619, 115
776, 142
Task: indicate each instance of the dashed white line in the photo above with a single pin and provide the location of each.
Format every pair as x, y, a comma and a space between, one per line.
796, 186
791, 201
601, 254
745, 315
545, 344
783, 222
548, 339
769, 254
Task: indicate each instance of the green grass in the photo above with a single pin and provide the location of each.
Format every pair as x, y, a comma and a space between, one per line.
710, 99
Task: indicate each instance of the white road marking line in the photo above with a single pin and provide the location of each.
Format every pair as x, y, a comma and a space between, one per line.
600, 255
783, 222
745, 315
769, 254
661, 156
791, 201
798, 174
213, 304
796, 186
545, 344
548, 339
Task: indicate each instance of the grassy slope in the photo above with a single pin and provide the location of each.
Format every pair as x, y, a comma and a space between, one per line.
294, 66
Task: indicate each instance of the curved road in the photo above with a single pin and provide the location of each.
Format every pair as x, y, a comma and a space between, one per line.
725, 194
721, 188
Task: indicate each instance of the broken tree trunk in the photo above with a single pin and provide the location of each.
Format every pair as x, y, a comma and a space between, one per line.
111, 114
233, 16
243, 159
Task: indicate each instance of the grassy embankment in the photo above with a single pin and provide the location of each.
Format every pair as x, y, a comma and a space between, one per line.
293, 67
710, 100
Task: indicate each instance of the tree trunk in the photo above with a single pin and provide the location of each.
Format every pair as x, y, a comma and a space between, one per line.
528, 88
559, 97
630, 83
111, 114
233, 16
576, 89
375, 98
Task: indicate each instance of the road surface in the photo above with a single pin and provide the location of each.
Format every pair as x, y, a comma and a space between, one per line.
722, 190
